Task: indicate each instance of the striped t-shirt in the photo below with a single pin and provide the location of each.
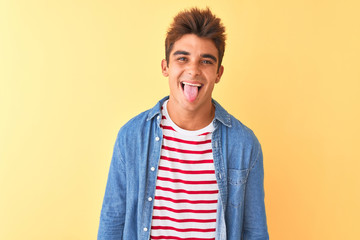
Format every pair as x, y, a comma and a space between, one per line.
186, 193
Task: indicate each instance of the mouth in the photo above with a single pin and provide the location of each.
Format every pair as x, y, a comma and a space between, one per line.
191, 90
191, 84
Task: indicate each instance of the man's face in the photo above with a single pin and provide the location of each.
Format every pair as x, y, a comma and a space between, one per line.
192, 71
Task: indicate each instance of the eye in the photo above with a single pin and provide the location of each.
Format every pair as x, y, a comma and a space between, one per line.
207, 62
181, 59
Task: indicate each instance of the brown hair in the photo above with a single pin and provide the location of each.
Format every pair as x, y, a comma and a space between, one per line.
202, 23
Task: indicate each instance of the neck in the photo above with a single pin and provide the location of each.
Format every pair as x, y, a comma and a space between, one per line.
193, 119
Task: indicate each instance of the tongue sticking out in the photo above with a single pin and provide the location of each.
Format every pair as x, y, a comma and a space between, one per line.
191, 92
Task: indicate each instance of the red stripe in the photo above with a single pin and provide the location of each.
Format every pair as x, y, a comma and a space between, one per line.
163, 117
185, 200
205, 133
184, 181
187, 172
184, 229
184, 210
186, 191
178, 238
166, 127
186, 161
187, 151
186, 141
184, 220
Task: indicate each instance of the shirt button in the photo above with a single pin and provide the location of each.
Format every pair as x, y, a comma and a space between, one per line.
150, 199
152, 169
158, 117
145, 229
157, 139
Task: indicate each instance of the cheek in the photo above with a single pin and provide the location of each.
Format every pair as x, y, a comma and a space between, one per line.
173, 83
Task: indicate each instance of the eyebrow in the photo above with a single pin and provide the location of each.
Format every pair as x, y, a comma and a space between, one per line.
202, 55
209, 56
181, 53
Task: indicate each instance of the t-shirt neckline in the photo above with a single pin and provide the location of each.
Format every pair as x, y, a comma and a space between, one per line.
209, 128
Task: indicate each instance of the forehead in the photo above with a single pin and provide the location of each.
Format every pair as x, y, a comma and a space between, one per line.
195, 45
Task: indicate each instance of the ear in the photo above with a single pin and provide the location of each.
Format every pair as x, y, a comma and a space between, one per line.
219, 74
164, 68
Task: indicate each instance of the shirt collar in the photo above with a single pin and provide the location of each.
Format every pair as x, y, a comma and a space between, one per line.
220, 113
156, 110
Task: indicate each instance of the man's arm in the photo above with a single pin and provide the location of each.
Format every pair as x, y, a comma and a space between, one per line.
113, 209
255, 226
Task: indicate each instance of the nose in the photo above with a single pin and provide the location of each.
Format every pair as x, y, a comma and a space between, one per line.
193, 69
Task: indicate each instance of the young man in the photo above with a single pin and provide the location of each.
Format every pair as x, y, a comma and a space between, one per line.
186, 169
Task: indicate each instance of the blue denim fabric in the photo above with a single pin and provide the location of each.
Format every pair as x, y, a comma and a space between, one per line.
127, 209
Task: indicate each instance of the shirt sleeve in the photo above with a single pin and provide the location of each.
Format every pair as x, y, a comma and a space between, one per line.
112, 216
255, 226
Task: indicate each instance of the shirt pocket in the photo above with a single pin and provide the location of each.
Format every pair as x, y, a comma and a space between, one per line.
236, 186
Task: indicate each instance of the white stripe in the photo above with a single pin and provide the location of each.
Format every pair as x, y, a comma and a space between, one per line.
157, 222
164, 213
185, 195
188, 167
188, 187
188, 177
183, 234
172, 133
202, 206
189, 156
186, 146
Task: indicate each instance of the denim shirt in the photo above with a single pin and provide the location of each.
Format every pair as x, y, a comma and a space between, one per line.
128, 202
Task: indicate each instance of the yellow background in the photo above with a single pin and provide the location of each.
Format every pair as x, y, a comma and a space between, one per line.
73, 72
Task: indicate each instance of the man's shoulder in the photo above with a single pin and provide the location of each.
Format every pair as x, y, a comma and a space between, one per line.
136, 123
237, 130
240, 128
142, 121
240, 131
